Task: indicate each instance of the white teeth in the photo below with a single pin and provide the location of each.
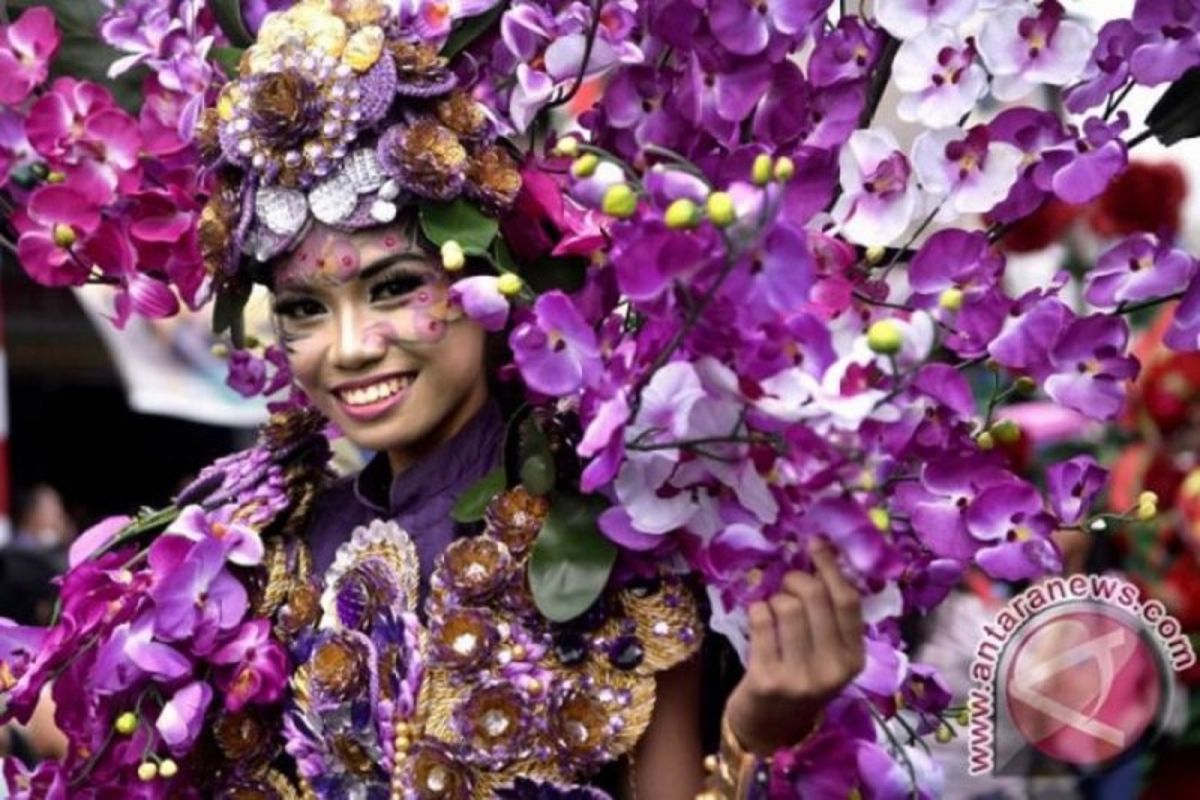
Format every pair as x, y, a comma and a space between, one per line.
365, 395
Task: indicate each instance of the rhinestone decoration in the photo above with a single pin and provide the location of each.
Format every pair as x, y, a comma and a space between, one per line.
282, 211
333, 200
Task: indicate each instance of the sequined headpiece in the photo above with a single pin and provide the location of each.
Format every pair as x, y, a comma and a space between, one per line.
340, 113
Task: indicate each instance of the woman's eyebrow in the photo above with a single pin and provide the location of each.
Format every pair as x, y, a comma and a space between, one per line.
376, 267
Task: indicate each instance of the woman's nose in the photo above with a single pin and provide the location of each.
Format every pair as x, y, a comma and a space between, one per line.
356, 347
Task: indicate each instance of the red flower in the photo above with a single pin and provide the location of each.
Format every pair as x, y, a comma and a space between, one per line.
1146, 197
1040, 229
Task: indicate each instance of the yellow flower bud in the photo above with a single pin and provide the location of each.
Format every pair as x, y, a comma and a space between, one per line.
220, 350
620, 201
1148, 498
168, 768
1006, 431
951, 299
55, 177
453, 258
944, 733
364, 48
720, 209
874, 254
147, 771
964, 716
683, 213
567, 146
126, 723
985, 441
1026, 384
585, 165
251, 341
884, 337
64, 235
880, 518
1147, 511
509, 284
785, 169
760, 173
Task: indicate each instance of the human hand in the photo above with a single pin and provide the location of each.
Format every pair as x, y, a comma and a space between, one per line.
806, 644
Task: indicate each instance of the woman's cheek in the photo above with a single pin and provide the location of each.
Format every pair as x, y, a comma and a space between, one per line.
304, 361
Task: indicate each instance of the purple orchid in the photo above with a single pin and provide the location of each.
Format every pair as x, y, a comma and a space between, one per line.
879, 194
27, 47
1008, 522
57, 219
254, 666
1091, 366
968, 174
1141, 267
132, 654
482, 301
743, 28
848, 52
941, 80
1079, 171
182, 718
1108, 69
241, 543
1172, 46
1021, 50
195, 597
556, 351
1184, 333
1073, 485
905, 19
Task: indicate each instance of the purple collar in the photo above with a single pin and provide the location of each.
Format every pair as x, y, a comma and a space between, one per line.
451, 464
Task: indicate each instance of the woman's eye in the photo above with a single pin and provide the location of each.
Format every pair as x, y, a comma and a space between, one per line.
299, 309
396, 287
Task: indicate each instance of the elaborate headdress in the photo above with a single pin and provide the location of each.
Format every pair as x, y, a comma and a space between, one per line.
340, 113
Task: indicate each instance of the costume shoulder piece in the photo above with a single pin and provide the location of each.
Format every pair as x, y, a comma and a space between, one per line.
486, 691
217, 663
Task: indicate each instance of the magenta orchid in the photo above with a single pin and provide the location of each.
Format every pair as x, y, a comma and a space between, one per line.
27, 47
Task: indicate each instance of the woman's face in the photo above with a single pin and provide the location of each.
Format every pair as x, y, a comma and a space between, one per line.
373, 340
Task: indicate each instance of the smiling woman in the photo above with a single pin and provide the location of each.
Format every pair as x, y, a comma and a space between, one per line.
374, 341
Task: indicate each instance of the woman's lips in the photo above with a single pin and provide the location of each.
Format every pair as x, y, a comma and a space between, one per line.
367, 401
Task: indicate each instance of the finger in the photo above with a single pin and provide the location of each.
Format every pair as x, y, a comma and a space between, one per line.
826, 638
847, 606
764, 648
795, 635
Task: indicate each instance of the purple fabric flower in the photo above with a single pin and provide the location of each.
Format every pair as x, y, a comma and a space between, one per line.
1091, 367
1141, 267
557, 350
1073, 485
247, 373
1172, 46
1021, 50
131, 653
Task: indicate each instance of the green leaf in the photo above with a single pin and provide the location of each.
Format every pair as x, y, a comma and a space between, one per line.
567, 274
571, 559
73, 16
461, 221
229, 18
1176, 115
228, 58
472, 504
470, 29
537, 460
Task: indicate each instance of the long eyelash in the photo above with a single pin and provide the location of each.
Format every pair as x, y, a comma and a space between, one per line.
406, 280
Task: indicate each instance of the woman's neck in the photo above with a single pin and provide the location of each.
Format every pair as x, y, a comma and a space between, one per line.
402, 459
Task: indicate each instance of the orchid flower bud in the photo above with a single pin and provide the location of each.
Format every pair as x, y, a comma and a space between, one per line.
453, 258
